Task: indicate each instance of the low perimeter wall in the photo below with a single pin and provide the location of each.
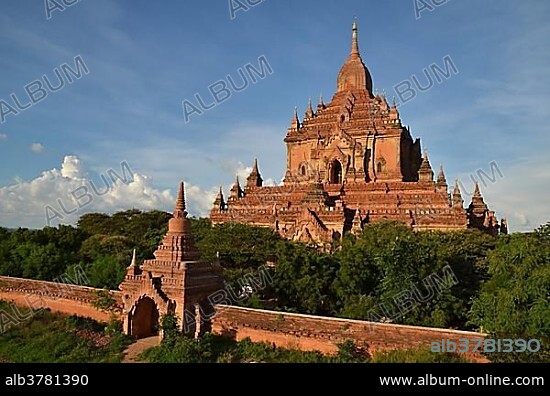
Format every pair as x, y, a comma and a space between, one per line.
306, 332
60, 297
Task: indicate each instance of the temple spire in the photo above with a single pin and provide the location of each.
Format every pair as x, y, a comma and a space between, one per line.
133, 268
441, 179
309, 111
477, 201
354, 74
236, 191
177, 244
354, 39
295, 124
477, 193
219, 202
180, 201
321, 104
458, 202
133, 264
254, 179
479, 214
425, 173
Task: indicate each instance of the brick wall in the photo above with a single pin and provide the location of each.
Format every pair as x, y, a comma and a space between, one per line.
303, 332
308, 332
66, 298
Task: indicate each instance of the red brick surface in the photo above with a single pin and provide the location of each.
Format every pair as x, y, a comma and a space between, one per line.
69, 299
323, 334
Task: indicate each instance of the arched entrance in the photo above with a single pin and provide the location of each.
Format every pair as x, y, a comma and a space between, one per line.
145, 320
335, 174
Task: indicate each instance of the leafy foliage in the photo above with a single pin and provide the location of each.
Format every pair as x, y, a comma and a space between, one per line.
503, 283
373, 273
304, 280
39, 254
419, 355
217, 349
515, 299
101, 244
236, 245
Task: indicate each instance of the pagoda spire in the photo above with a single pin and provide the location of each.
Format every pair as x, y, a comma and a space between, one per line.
458, 202
177, 244
354, 74
219, 202
295, 124
321, 104
479, 214
354, 39
477, 193
133, 268
441, 179
236, 191
180, 201
254, 179
309, 111
425, 173
477, 205
394, 113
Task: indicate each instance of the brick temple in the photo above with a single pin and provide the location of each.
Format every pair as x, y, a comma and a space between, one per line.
176, 281
351, 162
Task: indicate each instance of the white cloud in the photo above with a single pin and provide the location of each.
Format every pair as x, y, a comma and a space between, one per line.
243, 172
37, 147
72, 167
3, 136
211, 163
66, 194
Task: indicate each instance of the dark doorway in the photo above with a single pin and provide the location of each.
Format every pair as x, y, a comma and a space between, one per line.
366, 165
145, 319
335, 172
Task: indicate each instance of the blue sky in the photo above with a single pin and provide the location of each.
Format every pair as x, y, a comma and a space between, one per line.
145, 58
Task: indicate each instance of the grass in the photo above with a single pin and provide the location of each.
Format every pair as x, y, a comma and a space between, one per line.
50, 337
217, 349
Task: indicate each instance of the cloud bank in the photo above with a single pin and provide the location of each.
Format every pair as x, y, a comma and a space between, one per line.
61, 196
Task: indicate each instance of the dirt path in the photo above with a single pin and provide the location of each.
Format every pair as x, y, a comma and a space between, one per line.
131, 353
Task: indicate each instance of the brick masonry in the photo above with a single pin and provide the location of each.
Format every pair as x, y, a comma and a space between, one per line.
349, 163
308, 332
60, 297
304, 332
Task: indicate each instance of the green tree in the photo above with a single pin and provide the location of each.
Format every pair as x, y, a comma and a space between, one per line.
304, 278
236, 245
515, 299
106, 272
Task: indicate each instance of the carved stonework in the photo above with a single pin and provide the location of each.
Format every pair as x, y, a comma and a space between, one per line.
353, 153
172, 283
